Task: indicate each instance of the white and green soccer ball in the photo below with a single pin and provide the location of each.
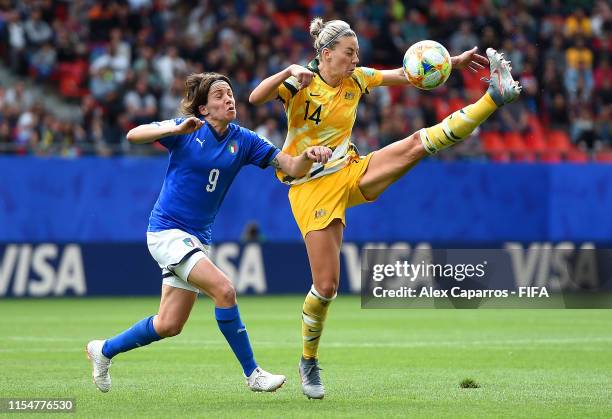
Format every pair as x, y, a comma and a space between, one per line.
427, 64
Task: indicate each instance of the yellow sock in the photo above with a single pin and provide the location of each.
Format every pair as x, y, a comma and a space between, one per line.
313, 317
458, 125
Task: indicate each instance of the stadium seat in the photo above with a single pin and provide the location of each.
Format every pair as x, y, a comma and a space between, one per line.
575, 155
494, 146
535, 126
550, 156
513, 141
455, 104
492, 141
604, 156
442, 108
535, 142
71, 78
472, 81
559, 141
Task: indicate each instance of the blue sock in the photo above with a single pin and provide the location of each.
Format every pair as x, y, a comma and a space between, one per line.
236, 335
141, 334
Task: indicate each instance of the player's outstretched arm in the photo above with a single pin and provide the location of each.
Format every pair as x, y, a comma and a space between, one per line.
468, 59
148, 133
298, 166
267, 90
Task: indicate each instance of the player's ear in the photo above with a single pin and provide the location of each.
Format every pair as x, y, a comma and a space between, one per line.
327, 54
203, 111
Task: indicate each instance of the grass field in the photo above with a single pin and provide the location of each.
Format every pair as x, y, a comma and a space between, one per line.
377, 363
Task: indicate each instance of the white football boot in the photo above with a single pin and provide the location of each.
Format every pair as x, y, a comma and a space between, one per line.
100, 363
261, 380
502, 87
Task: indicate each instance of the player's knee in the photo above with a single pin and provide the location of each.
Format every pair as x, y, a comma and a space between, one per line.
225, 294
412, 148
327, 289
169, 328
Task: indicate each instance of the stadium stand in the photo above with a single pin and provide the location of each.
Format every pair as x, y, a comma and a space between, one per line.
120, 63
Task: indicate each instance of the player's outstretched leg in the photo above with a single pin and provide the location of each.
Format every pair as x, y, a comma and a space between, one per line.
390, 163
503, 89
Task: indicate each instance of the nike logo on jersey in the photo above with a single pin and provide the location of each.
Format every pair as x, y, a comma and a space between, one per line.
200, 141
315, 94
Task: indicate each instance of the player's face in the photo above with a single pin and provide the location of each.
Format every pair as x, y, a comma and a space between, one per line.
221, 104
345, 56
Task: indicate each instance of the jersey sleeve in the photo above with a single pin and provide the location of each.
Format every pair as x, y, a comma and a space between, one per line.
287, 90
170, 140
260, 151
367, 78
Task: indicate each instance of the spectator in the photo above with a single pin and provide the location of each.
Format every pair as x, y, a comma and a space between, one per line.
582, 129
269, 129
19, 97
43, 62
169, 66
171, 99
578, 25
463, 39
37, 30
140, 104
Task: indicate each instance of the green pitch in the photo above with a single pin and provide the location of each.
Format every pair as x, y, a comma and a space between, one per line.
377, 363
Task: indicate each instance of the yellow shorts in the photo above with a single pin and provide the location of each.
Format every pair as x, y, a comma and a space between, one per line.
316, 203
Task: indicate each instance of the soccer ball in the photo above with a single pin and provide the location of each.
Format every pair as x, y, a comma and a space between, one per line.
427, 65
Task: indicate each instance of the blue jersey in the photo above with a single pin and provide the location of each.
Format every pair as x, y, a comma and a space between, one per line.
202, 166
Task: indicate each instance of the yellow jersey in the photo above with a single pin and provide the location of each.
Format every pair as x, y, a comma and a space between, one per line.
322, 115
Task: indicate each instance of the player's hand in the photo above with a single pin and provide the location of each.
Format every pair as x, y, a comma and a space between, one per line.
318, 154
303, 75
189, 125
469, 59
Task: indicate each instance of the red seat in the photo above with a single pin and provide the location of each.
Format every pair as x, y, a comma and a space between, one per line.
524, 156
500, 157
455, 104
472, 81
72, 78
442, 108
514, 142
559, 140
550, 156
494, 146
535, 142
576, 155
492, 136
604, 156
